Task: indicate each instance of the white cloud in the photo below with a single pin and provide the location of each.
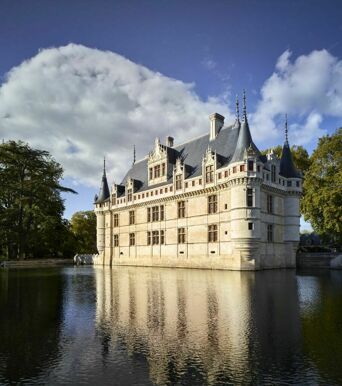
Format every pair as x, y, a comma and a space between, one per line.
307, 89
81, 104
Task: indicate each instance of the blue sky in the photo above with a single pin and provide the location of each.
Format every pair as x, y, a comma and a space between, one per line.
195, 53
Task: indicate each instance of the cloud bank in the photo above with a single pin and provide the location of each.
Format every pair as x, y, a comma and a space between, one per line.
81, 104
307, 89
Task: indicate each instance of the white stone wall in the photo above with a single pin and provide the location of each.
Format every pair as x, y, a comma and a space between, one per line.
237, 247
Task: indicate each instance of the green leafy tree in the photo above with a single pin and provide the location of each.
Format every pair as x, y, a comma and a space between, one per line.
31, 207
322, 202
83, 226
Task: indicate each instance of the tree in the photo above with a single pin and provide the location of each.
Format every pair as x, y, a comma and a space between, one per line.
83, 226
31, 206
322, 202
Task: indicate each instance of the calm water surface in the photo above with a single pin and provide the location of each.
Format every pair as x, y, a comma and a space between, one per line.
145, 326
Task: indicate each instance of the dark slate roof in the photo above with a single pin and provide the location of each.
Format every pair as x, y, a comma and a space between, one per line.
192, 153
244, 142
104, 190
287, 168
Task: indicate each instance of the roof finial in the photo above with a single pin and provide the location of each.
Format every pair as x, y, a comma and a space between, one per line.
104, 165
286, 131
133, 154
244, 106
237, 108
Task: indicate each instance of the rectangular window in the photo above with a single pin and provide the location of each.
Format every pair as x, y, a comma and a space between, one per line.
131, 217
151, 173
289, 183
220, 175
157, 171
129, 195
116, 220
171, 188
155, 237
162, 237
234, 169
155, 213
209, 174
162, 212
212, 233
116, 240
186, 184
132, 239
179, 182
181, 235
200, 181
249, 197
148, 238
250, 226
193, 183
250, 166
242, 168
258, 168
297, 184
148, 214
269, 203
270, 233
163, 169
226, 174
273, 173
181, 209
212, 203
113, 199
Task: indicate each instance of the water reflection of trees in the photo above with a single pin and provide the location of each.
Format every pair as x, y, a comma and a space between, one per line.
202, 326
322, 324
30, 315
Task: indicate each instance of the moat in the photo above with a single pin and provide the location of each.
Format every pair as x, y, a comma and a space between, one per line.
154, 326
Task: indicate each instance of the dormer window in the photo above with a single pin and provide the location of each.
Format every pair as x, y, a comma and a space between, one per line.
157, 164
113, 199
129, 195
250, 165
157, 171
178, 182
209, 174
273, 173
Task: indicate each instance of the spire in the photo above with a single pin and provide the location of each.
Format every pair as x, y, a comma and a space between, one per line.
104, 190
133, 154
244, 115
244, 140
287, 167
237, 111
286, 130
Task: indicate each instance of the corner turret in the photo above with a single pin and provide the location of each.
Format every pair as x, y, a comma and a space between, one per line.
287, 167
104, 190
244, 141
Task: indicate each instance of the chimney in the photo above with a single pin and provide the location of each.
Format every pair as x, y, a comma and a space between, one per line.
216, 124
169, 141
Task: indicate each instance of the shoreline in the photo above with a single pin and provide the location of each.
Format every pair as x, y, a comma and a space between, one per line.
36, 263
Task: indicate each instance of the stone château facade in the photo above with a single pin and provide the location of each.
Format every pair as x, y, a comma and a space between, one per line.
212, 202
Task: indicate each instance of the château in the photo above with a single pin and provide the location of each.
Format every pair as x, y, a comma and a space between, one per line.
212, 202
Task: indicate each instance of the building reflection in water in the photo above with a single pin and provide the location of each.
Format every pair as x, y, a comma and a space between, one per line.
198, 325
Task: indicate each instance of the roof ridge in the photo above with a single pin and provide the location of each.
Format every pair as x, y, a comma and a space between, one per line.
202, 135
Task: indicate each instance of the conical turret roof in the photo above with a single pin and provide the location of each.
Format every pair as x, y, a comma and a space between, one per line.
287, 167
244, 140
104, 190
